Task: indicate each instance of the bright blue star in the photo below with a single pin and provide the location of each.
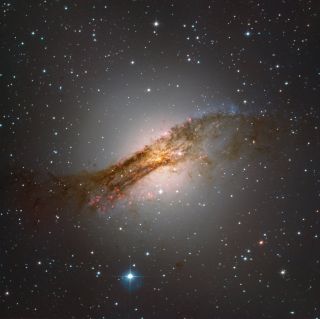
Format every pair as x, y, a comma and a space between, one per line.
131, 280
130, 276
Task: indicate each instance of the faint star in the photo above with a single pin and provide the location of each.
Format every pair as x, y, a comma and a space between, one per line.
283, 272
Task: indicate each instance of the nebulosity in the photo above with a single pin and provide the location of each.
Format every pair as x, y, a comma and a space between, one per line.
202, 143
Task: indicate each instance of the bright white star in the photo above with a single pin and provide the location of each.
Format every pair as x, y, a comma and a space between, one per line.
130, 276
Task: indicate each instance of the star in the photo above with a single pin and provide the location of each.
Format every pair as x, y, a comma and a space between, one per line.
130, 276
283, 272
131, 280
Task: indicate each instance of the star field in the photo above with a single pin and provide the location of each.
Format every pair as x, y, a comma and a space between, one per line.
230, 231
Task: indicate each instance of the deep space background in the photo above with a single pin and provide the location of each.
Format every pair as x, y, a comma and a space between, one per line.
86, 83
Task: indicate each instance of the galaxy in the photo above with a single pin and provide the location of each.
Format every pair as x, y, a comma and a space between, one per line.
228, 136
160, 159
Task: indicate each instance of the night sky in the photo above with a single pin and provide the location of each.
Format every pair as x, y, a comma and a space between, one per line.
160, 159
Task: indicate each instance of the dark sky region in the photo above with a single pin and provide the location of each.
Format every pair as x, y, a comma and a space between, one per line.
160, 159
